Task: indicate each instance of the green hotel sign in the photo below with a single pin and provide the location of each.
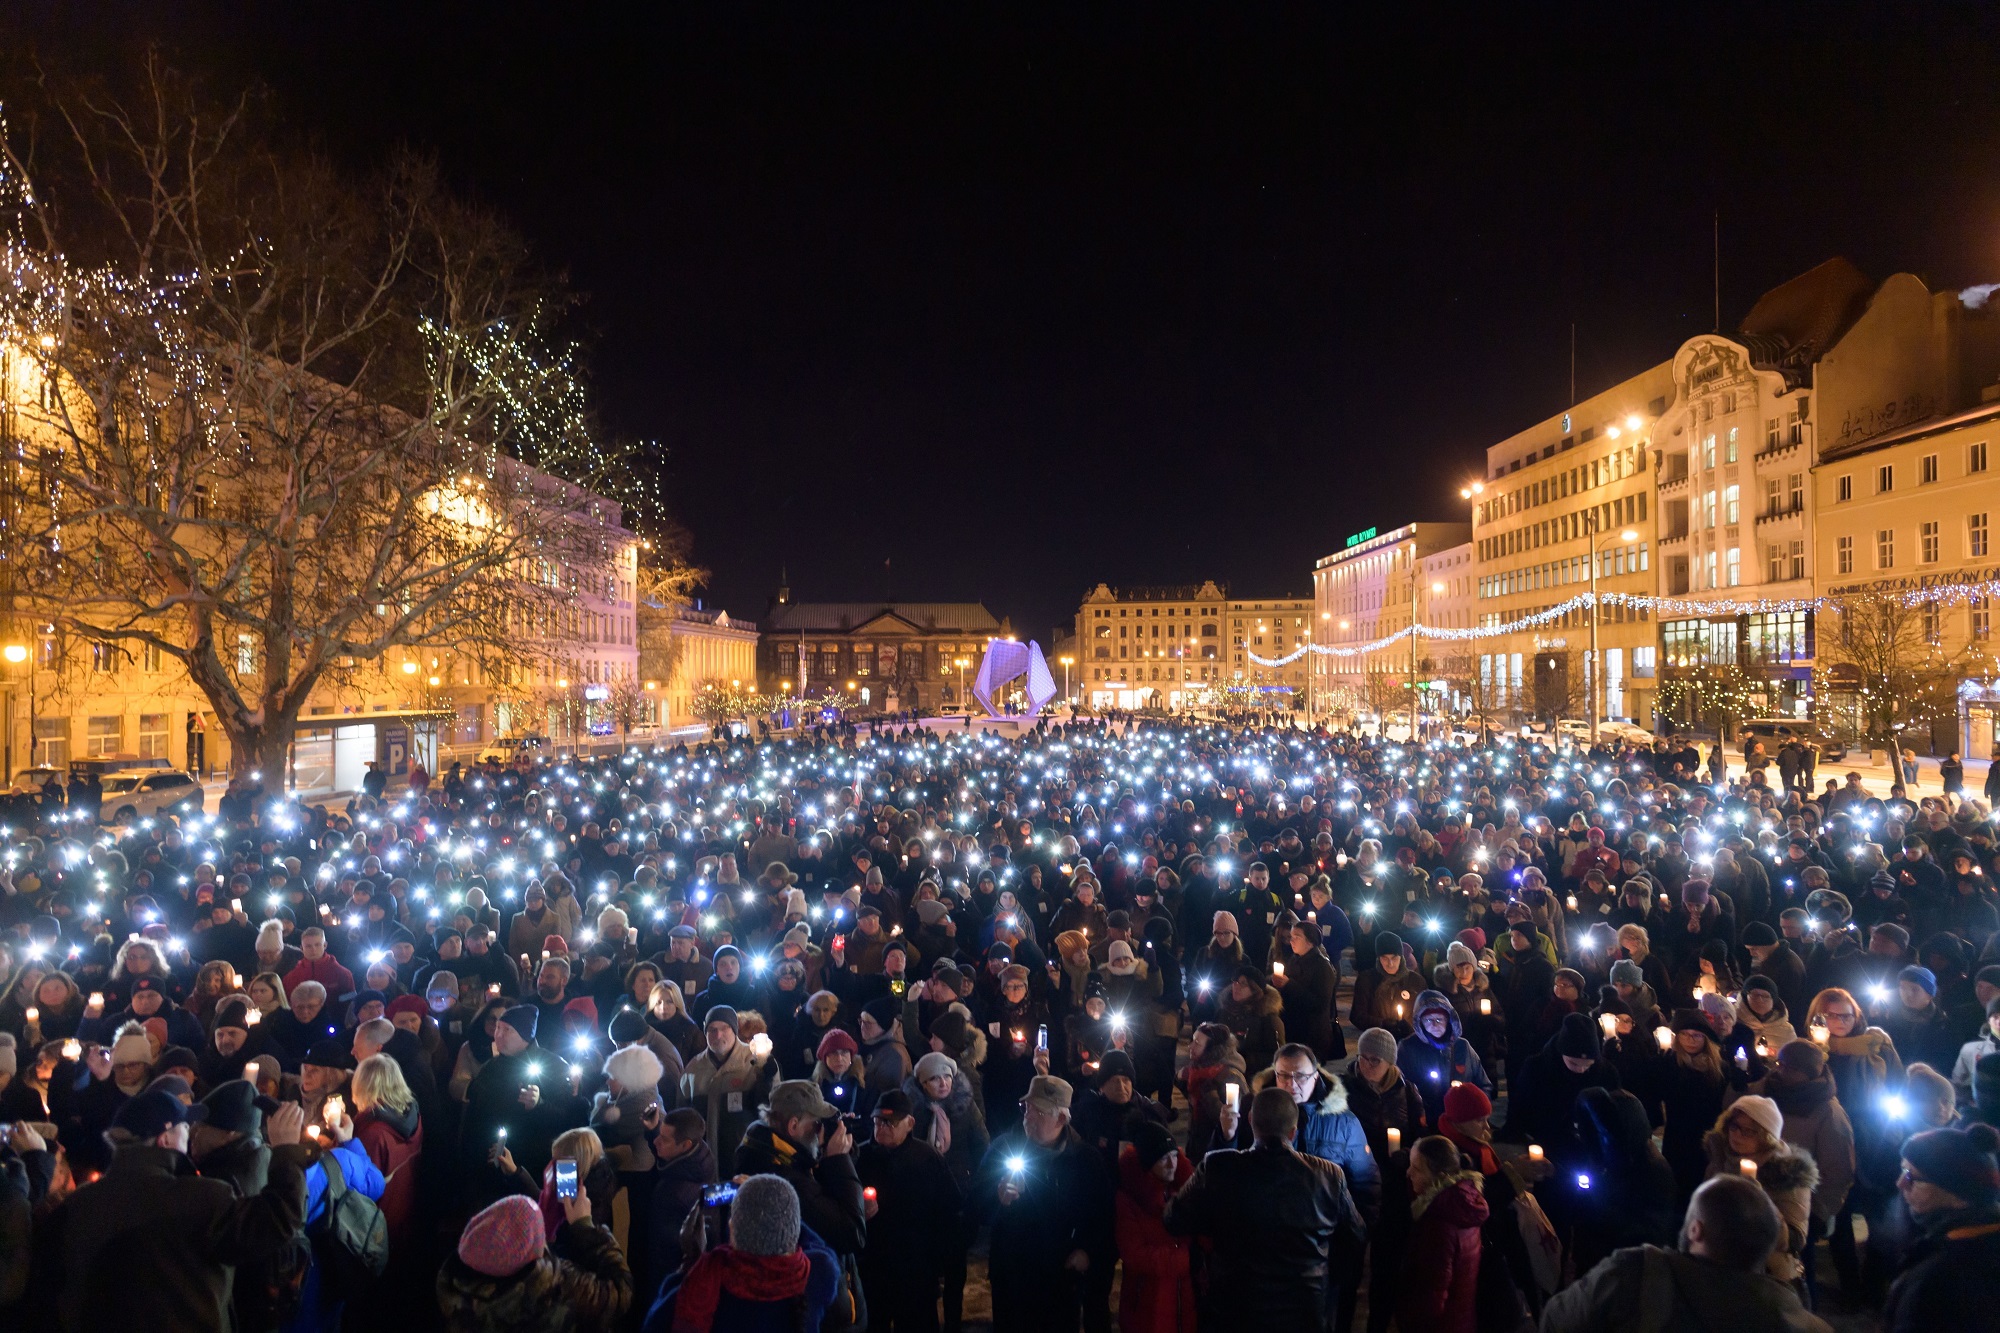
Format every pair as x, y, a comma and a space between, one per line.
1360, 537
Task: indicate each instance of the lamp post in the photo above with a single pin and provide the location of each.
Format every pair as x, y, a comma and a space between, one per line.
1593, 675
1066, 661
17, 653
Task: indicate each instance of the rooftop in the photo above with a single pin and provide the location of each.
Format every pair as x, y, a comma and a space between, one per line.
964, 617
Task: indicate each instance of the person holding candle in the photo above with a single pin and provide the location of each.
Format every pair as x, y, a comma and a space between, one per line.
1436, 1054
1694, 1085
1541, 1105
1748, 1139
1440, 1271
1308, 985
1253, 1011
1380, 1097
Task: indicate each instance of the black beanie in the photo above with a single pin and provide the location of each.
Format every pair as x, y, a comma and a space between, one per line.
1578, 1037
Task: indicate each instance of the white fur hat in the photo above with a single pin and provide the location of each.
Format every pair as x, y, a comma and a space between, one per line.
635, 1068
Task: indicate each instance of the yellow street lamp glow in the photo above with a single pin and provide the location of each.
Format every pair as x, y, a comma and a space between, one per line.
1614, 432
16, 653
1632, 422
436, 681
1628, 536
409, 668
1437, 587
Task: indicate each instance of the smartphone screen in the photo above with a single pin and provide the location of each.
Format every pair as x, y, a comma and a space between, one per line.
1042, 1037
565, 1177
714, 1196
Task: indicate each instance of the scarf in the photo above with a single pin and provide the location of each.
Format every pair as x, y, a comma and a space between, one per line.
726, 1270
940, 1129
1866, 1047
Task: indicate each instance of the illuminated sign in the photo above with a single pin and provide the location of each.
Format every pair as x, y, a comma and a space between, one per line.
1361, 536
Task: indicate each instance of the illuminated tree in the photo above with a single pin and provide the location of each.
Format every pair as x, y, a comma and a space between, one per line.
1906, 676
273, 421
717, 701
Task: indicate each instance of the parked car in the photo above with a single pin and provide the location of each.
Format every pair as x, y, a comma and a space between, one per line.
104, 765
1775, 731
148, 793
510, 748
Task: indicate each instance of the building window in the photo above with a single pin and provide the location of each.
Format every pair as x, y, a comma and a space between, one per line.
1975, 534
1644, 661
1933, 624
1927, 471
1729, 446
1843, 555
1731, 504
1708, 451
1770, 432
1774, 563
1975, 457
1927, 543
1798, 557
103, 736
1885, 548
150, 657
1982, 618
1843, 489
103, 658
1732, 565
1885, 478
1795, 491
1708, 508
152, 735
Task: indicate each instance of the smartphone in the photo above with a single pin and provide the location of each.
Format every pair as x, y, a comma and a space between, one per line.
718, 1194
565, 1177
1042, 1037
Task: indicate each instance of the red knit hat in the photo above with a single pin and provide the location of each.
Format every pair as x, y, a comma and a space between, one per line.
504, 1239
407, 1004
1463, 1102
555, 946
1473, 938
582, 1010
840, 1039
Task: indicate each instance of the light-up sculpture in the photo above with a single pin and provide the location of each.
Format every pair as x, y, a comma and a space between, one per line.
1006, 661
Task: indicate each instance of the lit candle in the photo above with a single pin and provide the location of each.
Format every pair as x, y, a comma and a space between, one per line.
1486, 1006
1572, 903
253, 1017
1747, 1167
1763, 1048
1665, 1036
1279, 969
1399, 1011
1232, 1092
97, 999
1818, 1031
72, 1049
34, 1014
1395, 1138
1609, 1022
1534, 1152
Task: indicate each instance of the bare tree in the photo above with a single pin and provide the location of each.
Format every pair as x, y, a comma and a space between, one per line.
1904, 671
1558, 690
275, 421
1481, 694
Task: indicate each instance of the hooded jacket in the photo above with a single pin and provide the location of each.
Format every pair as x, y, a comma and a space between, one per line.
1440, 1281
1329, 1130
1432, 1066
1631, 1199
1789, 1178
1158, 1292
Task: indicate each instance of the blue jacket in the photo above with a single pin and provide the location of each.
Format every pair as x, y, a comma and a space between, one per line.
1327, 1129
315, 1312
1432, 1067
739, 1316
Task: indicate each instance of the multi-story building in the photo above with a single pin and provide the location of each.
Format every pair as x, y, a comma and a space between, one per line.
893, 655
1271, 628
1152, 647
1905, 497
1570, 494
1182, 647
685, 649
549, 639
1736, 521
1368, 591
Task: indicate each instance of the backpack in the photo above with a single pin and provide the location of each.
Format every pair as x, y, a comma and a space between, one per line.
351, 1239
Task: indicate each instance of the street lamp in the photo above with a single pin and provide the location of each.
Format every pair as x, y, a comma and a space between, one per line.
1066, 661
17, 653
1594, 676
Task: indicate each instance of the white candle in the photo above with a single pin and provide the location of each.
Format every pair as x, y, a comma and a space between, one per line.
1534, 1152
1486, 1006
1747, 1167
1395, 1138
1232, 1091
34, 1014
1609, 1022
1278, 968
1664, 1036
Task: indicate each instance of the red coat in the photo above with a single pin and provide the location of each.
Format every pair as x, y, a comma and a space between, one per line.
1440, 1286
1158, 1295
396, 1158
327, 971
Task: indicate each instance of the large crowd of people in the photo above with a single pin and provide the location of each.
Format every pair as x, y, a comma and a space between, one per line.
1187, 1026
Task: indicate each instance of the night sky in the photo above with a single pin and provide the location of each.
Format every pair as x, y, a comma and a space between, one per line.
947, 301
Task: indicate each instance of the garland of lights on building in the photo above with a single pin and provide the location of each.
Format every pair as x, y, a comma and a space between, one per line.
1660, 607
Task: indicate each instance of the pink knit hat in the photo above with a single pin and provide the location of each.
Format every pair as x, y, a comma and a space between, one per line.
504, 1239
